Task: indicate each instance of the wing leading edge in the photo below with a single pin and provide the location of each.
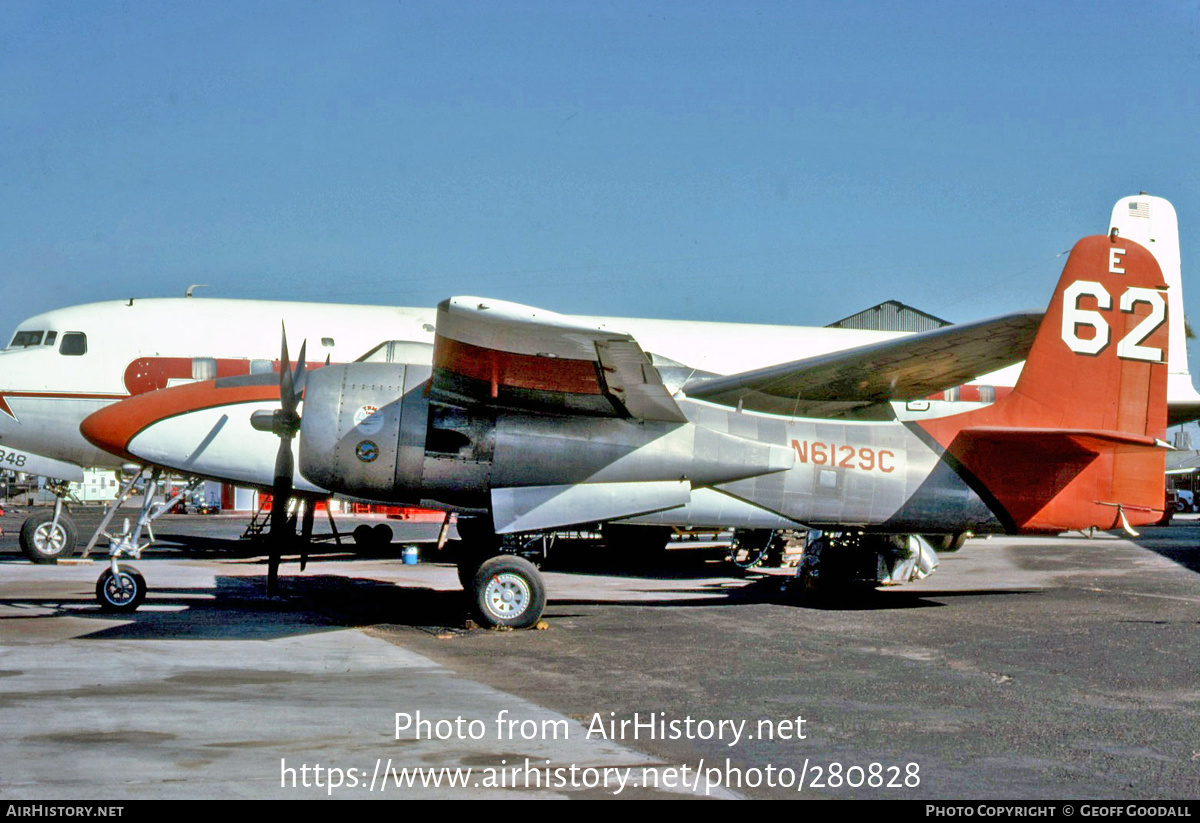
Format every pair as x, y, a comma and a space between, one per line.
514, 356
905, 368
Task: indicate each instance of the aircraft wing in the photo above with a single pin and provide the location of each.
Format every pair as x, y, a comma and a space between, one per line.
514, 356
904, 368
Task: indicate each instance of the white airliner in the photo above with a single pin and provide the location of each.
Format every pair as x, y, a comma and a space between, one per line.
63, 365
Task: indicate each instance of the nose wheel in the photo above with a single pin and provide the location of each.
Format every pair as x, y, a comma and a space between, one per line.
122, 591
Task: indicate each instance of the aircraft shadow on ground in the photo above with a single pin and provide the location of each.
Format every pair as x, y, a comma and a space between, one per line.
1180, 543
237, 607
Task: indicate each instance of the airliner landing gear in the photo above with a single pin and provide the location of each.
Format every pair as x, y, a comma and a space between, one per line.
48, 536
122, 590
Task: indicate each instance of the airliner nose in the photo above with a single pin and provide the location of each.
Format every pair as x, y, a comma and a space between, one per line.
114, 426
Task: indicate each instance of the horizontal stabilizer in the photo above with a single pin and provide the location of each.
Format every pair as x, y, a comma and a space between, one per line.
904, 368
1093, 440
537, 508
514, 356
1039, 479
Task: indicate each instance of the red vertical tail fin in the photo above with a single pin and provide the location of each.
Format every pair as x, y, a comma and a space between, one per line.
1078, 441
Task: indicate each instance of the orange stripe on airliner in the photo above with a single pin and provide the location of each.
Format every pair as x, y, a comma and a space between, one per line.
114, 427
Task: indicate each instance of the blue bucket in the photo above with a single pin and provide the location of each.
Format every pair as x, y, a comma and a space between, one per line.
411, 556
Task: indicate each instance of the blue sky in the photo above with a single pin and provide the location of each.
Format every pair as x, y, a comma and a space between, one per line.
782, 162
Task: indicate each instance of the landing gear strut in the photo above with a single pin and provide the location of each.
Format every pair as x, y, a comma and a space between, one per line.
48, 536
121, 588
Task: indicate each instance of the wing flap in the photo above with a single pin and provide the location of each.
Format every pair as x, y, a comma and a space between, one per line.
514, 356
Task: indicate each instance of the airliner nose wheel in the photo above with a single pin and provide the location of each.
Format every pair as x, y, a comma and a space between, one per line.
44, 541
121, 592
508, 591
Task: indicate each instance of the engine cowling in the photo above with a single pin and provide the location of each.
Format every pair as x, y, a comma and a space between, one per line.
376, 431
363, 427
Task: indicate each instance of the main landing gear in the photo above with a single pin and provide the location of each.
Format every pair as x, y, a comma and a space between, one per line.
839, 561
505, 590
47, 537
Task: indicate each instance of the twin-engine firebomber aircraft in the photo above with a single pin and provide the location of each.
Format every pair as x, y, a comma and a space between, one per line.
62, 365
531, 421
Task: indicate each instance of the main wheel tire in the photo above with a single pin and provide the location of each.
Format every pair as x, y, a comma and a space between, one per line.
951, 542
43, 542
122, 592
508, 591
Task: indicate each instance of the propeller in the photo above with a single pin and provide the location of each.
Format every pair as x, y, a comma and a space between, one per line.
284, 422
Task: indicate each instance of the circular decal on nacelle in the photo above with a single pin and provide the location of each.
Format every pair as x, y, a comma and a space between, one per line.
368, 419
366, 451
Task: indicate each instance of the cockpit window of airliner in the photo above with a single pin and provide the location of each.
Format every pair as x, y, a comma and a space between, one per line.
24, 339
73, 343
51, 336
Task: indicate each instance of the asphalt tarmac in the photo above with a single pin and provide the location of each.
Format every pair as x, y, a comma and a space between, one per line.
1025, 668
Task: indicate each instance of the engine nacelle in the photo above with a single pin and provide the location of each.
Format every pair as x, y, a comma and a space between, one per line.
373, 430
362, 429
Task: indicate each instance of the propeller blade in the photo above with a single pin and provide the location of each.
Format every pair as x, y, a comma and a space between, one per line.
281, 492
285, 423
298, 375
287, 389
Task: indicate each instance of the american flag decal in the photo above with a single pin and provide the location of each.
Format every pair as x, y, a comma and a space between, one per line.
1139, 208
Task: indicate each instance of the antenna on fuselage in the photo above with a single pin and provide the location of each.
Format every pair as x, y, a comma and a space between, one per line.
193, 287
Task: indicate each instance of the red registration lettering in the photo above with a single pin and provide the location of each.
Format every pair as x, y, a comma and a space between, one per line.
845, 456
